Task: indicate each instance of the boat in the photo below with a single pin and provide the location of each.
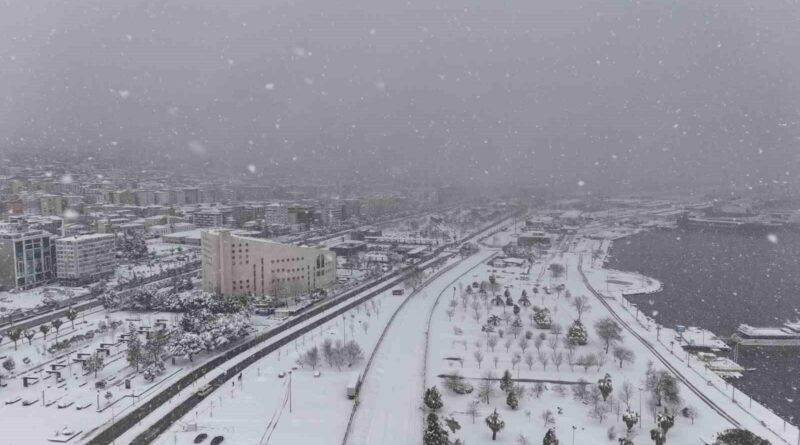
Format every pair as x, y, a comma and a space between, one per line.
786, 335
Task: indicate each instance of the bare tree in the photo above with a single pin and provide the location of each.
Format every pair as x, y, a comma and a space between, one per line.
478, 357
571, 359
537, 343
508, 343
587, 361
601, 361
626, 392
476, 316
608, 330
486, 388
491, 342
623, 354
556, 329
472, 410
581, 305
529, 360
544, 360
523, 344
548, 418
558, 359
515, 360
552, 343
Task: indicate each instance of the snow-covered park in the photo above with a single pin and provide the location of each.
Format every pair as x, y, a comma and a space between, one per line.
594, 380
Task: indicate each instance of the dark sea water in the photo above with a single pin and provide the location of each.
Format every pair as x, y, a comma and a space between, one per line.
718, 280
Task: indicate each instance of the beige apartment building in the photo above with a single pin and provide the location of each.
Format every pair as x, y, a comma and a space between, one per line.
242, 265
85, 258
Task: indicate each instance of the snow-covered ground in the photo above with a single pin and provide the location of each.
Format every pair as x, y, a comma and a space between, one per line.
454, 344
31, 298
167, 249
389, 410
256, 409
147, 269
78, 387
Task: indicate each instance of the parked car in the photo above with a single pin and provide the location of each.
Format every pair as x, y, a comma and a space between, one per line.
200, 438
217, 440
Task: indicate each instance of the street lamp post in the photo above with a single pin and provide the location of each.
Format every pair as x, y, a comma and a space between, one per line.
573, 433
290, 392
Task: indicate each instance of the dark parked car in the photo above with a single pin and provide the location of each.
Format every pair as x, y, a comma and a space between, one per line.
200, 438
217, 440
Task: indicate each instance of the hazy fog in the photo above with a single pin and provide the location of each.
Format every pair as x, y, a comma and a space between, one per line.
476, 92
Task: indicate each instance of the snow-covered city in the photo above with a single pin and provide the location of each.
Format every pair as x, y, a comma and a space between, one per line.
391, 223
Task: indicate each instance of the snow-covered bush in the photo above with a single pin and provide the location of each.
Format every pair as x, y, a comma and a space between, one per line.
542, 318
154, 370
577, 334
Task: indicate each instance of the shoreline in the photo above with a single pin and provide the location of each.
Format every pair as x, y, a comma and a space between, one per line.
766, 415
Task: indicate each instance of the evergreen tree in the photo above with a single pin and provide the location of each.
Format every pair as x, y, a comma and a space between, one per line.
512, 400
71, 315
506, 382
57, 325
605, 387
631, 419
542, 318
452, 424
665, 422
432, 399
29, 334
577, 335
44, 328
495, 424
14, 335
739, 437
434, 433
657, 436
134, 353
550, 437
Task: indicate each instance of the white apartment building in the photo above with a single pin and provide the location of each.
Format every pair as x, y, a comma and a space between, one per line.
241, 265
276, 213
85, 258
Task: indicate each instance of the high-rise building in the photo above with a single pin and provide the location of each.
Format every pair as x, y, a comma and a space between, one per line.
241, 265
276, 214
52, 205
85, 258
27, 258
212, 217
191, 195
